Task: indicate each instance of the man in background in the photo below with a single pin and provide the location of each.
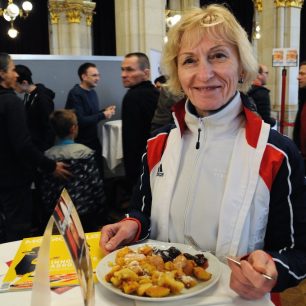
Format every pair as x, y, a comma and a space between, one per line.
19, 158
299, 132
138, 106
261, 95
38, 103
84, 100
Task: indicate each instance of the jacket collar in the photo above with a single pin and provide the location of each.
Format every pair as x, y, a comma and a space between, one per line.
253, 120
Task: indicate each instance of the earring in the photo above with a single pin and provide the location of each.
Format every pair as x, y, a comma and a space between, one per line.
241, 80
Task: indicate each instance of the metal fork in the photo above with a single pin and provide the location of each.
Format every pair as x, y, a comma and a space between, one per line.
239, 263
195, 245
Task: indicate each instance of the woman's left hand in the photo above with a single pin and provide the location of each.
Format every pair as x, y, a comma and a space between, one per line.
247, 279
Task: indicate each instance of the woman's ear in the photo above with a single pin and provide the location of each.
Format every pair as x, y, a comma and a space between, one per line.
241, 77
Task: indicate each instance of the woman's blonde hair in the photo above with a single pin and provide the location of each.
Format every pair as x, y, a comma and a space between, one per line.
218, 23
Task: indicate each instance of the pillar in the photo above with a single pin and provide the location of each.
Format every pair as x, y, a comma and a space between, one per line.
70, 27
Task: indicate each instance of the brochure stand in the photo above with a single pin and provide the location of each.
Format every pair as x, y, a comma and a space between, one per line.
67, 221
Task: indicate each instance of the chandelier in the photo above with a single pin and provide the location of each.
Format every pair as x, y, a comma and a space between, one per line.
12, 11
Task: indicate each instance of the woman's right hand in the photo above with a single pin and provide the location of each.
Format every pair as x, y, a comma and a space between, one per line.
117, 234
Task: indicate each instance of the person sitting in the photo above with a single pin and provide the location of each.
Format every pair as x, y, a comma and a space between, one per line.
220, 175
85, 186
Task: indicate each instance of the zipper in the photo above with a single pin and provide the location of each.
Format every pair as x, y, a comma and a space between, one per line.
189, 205
199, 133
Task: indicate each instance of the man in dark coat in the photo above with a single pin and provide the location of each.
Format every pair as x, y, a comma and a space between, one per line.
261, 95
299, 132
38, 102
19, 158
138, 106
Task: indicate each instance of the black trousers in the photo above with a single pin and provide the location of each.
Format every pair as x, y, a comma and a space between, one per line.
15, 213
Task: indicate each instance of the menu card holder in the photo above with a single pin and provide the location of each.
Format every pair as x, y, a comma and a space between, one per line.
66, 219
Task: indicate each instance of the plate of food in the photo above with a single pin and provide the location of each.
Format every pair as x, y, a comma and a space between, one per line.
157, 271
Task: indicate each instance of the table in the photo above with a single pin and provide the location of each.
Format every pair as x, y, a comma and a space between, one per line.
220, 294
112, 143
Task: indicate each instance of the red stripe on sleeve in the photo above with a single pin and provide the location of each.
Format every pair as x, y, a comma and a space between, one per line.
270, 164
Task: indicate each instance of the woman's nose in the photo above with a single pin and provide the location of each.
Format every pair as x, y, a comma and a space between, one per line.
205, 71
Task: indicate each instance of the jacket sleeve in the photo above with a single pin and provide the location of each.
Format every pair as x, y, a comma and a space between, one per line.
286, 230
142, 200
78, 103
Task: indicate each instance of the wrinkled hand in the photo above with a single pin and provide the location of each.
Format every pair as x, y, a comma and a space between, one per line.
247, 280
62, 171
110, 111
117, 234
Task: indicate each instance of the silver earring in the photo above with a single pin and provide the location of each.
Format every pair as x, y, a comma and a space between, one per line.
241, 80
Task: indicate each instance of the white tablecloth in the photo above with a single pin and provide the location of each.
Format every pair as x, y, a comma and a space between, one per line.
112, 143
220, 294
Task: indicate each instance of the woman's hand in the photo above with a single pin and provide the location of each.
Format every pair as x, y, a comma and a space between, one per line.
117, 234
247, 279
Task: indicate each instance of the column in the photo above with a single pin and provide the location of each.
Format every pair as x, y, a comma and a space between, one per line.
140, 25
70, 26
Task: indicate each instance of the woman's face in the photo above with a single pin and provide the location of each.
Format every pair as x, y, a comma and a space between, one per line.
208, 73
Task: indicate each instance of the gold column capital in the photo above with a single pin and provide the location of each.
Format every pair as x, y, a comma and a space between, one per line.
288, 3
74, 10
280, 3
258, 5
55, 8
294, 3
88, 9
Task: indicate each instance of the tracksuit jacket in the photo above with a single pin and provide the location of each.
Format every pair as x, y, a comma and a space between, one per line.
279, 171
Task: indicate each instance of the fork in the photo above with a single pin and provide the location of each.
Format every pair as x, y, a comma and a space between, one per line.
239, 264
195, 245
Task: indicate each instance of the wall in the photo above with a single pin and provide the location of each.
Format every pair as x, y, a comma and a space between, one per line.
59, 73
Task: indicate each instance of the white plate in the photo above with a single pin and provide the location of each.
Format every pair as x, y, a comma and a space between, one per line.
213, 267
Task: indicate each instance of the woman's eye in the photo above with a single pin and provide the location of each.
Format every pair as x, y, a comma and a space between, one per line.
218, 56
188, 60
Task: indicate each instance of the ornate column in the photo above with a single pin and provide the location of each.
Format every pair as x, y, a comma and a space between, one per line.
70, 30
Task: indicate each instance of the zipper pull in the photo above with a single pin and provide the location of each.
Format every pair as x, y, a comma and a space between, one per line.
198, 142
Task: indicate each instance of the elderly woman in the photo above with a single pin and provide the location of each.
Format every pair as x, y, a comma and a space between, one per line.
220, 175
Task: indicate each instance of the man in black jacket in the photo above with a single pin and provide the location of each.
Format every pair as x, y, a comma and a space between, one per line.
261, 95
18, 158
138, 106
38, 102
